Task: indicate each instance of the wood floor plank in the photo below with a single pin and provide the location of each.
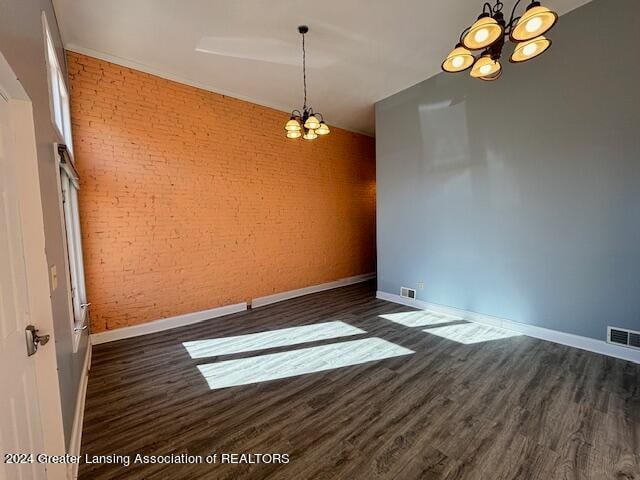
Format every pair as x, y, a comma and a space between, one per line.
501, 408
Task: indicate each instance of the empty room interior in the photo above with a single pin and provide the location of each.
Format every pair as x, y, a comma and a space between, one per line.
323, 240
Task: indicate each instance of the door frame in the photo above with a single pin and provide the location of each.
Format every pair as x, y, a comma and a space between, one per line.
24, 149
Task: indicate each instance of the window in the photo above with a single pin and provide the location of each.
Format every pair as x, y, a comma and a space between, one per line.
69, 189
69, 185
58, 89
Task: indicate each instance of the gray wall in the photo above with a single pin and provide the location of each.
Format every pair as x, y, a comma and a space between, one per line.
521, 198
22, 44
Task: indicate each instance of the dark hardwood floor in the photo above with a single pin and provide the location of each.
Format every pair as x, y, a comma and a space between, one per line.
507, 408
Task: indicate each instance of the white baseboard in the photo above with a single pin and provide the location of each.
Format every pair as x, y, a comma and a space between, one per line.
166, 323
195, 317
577, 341
78, 417
279, 297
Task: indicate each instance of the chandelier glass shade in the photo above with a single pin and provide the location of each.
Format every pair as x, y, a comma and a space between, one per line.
485, 66
484, 32
293, 125
488, 34
312, 123
305, 123
525, 51
310, 134
323, 129
458, 60
536, 21
492, 77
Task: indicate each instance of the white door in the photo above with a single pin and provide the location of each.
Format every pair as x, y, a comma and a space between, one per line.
20, 427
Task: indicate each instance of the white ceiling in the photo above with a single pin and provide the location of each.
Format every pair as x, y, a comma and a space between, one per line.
358, 51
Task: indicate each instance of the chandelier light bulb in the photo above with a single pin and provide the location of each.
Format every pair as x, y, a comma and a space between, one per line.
481, 35
533, 25
529, 49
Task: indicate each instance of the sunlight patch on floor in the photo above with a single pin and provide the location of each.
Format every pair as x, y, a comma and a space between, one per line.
420, 318
270, 339
303, 361
469, 333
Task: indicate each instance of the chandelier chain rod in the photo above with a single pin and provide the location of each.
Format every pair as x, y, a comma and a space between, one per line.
513, 12
488, 6
304, 72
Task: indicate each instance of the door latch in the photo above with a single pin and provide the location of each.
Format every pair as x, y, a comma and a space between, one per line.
33, 339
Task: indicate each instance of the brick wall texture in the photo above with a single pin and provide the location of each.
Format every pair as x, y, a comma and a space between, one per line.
191, 200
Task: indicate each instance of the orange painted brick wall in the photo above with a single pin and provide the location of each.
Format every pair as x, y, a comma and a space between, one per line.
184, 207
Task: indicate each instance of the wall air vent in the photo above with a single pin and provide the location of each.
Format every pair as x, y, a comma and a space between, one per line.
408, 293
624, 337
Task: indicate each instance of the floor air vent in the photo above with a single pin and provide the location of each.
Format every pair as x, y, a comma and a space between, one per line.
408, 293
621, 336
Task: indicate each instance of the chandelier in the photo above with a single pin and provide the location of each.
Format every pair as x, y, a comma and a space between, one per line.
489, 33
306, 123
